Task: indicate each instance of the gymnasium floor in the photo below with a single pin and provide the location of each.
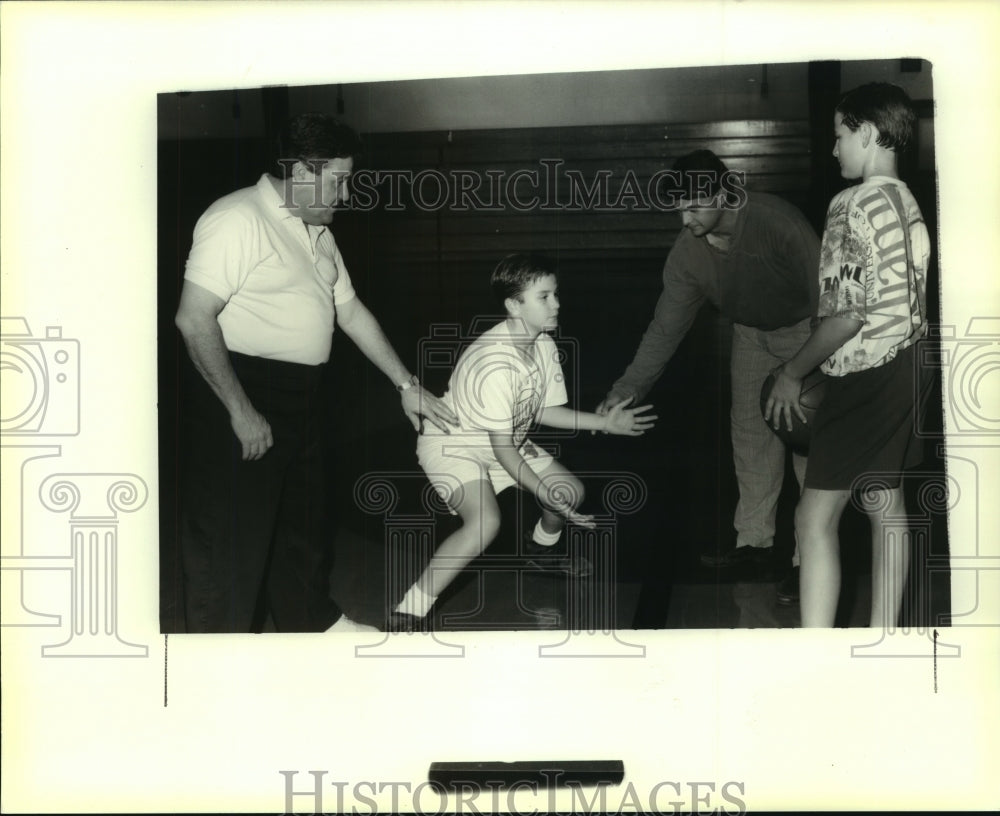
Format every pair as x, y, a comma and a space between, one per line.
648, 571
663, 500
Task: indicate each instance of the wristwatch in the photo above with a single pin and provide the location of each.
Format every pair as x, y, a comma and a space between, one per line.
406, 386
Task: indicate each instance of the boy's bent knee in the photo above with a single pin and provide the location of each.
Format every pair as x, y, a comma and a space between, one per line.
569, 487
486, 524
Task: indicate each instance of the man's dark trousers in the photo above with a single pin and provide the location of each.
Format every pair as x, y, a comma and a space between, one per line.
253, 533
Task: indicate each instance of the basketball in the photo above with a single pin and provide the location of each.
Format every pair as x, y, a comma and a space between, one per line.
813, 391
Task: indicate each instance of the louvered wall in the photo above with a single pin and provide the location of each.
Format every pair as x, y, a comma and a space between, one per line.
773, 154
431, 267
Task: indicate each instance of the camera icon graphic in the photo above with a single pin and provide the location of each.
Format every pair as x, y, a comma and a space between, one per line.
39, 381
970, 376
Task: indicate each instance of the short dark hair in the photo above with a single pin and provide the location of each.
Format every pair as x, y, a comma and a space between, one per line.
885, 106
313, 137
700, 170
517, 272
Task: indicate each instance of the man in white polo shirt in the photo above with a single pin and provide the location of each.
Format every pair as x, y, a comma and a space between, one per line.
264, 286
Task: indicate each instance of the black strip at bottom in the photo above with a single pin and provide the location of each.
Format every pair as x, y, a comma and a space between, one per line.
543, 773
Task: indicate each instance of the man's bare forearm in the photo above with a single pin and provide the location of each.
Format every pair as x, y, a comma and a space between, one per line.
196, 320
208, 352
364, 330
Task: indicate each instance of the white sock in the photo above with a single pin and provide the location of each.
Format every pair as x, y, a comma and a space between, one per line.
345, 624
416, 602
541, 536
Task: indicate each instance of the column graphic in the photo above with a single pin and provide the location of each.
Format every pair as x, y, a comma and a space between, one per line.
40, 399
910, 533
14, 560
592, 624
408, 543
93, 501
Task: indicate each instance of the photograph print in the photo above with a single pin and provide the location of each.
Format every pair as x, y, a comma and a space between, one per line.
590, 352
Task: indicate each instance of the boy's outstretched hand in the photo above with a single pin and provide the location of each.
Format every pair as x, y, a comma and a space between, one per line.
572, 516
580, 520
553, 497
625, 421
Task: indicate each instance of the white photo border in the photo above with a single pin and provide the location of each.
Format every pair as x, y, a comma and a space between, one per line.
789, 715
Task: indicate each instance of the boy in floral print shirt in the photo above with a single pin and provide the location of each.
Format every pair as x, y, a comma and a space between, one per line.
873, 262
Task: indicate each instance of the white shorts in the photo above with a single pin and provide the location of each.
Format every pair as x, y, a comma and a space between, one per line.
449, 466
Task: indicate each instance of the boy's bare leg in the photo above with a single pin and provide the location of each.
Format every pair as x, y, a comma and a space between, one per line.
552, 523
890, 556
565, 493
476, 505
799, 463
568, 486
480, 524
817, 518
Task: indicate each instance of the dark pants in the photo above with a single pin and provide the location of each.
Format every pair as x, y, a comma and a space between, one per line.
253, 534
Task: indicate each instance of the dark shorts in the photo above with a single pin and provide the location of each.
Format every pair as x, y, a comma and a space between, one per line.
866, 425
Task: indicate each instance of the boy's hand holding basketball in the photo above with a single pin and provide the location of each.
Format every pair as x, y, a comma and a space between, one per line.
625, 421
784, 399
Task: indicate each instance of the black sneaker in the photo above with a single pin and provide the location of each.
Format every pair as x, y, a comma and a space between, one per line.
737, 556
788, 589
405, 622
556, 559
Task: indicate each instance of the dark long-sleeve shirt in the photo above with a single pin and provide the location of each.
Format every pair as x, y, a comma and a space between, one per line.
767, 279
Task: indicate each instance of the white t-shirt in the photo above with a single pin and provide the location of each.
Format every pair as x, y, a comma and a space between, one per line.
494, 388
873, 267
281, 278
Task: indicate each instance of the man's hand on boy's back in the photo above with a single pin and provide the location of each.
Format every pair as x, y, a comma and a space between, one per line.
419, 402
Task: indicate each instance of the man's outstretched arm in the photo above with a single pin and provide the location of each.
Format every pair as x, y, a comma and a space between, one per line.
675, 311
358, 323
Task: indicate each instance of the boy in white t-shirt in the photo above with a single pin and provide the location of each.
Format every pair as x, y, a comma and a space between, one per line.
508, 379
873, 281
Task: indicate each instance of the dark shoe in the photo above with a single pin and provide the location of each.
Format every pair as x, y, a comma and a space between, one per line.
788, 589
737, 556
556, 559
405, 622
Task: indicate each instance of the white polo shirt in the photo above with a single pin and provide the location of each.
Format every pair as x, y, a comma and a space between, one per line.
281, 278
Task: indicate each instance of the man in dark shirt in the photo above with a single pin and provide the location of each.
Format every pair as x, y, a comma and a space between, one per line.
754, 257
